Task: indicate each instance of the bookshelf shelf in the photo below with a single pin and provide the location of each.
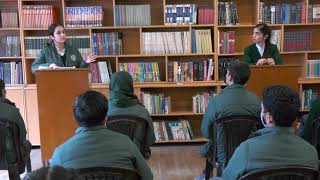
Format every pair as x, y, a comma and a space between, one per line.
177, 114
233, 54
173, 85
237, 26
309, 81
9, 29
11, 58
35, 29
196, 140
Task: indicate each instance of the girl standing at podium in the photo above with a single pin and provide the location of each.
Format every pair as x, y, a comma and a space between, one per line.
59, 53
262, 52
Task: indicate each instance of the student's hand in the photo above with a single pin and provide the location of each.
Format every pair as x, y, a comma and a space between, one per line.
261, 61
270, 61
91, 58
53, 66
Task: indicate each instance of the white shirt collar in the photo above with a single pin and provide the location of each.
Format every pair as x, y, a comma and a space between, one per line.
61, 53
260, 49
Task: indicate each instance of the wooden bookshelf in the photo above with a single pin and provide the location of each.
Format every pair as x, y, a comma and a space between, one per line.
248, 14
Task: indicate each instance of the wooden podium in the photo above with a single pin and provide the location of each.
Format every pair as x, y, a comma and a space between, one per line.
263, 76
56, 90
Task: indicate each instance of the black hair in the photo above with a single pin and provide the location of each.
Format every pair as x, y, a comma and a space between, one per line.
239, 72
53, 173
282, 103
90, 109
51, 30
2, 87
266, 31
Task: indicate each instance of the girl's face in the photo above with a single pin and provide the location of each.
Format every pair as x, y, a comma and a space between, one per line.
258, 36
59, 35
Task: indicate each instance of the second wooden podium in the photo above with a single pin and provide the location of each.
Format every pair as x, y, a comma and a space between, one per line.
57, 90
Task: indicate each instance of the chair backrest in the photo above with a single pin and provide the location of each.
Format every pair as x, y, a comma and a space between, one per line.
10, 150
108, 173
234, 129
132, 126
282, 173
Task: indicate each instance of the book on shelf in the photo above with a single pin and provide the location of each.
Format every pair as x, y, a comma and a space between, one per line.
181, 14
276, 38
100, 72
282, 13
11, 72
156, 103
173, 130
307, 97
226, 41
133, 15
109, 43
228, 13
9, 18
223, 64
10, 46
38, 16
205, 15
142, 71
297, 41
313, 68
201, 41
191, 71
165, 42
82, 43
314, 13
200, 101
83, 16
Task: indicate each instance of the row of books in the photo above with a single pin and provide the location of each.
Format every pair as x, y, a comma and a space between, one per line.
201, 41
9, 18
314, 13
226, 41
109, 43
223, 64
142, 71
155, 103
173, 130
11, 72
313, 68
205, 15
100, 72
228, 14
34, 44
307, 97
10, 46
132, 15
201, 101
38, 16
191, 71
165, 42
181, 14
297, 41
83, 16
282, 13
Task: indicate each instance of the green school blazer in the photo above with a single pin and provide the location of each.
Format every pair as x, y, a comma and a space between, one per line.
252, 55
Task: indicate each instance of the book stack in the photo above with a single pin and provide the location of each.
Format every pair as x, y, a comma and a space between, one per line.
82, 43
226, 42
313, 68
200, 102
174, 130
100, 72
223, 64
314, 13
133, 15
191, 71
155, 103
10, 46
9, 18
181, 14
109, 43
201, 41
142, 71
297, 41
38, 16
205, 15
228, 14
11, 72
83, 16
308, 96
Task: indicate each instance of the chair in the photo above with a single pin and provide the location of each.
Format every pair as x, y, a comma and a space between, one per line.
315, 133
234, 129
282, 173
132, 126
10, 148
108, 173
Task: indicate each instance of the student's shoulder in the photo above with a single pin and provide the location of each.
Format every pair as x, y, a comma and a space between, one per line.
250, 47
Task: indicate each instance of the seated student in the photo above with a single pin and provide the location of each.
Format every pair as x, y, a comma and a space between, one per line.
53, 173
122, 101
313, 114
9, 111
262, 52
94, 145
276, 144
233, 100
